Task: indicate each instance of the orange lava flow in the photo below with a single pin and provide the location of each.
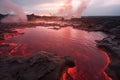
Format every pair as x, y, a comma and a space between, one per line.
107, 77
108, 62
70, 74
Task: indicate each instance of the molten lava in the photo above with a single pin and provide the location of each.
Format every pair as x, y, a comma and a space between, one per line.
90, 62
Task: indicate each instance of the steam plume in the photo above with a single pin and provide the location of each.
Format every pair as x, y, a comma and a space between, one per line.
82, 6
67, 9
15, 13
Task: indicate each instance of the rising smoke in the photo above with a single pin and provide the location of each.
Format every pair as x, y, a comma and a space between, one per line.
67, 9
15, 13
82, 6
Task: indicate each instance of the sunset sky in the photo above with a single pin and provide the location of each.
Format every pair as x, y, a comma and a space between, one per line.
45, 7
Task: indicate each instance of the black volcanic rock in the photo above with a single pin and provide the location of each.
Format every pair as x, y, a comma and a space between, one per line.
39, 66
3, 16
112, 46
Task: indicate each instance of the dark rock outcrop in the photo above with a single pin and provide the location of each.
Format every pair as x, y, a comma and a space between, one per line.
40, 66
113, 50
111, 44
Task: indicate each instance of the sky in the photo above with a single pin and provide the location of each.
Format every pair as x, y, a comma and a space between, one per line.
51, 7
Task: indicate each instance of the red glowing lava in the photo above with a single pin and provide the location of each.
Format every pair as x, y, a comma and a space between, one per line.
108, 62
80, 45
70, 74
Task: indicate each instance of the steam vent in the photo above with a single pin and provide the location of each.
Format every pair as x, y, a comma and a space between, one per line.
39, 66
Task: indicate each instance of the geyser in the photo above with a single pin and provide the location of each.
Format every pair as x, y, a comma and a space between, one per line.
15, 13
67, 9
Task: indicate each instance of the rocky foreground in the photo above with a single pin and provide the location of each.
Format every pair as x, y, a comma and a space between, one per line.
39, 66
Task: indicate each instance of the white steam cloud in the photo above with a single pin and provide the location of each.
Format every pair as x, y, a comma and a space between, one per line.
67, 9
15, 13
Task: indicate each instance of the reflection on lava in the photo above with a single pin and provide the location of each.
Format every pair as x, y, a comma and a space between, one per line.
10, 35
80, 45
